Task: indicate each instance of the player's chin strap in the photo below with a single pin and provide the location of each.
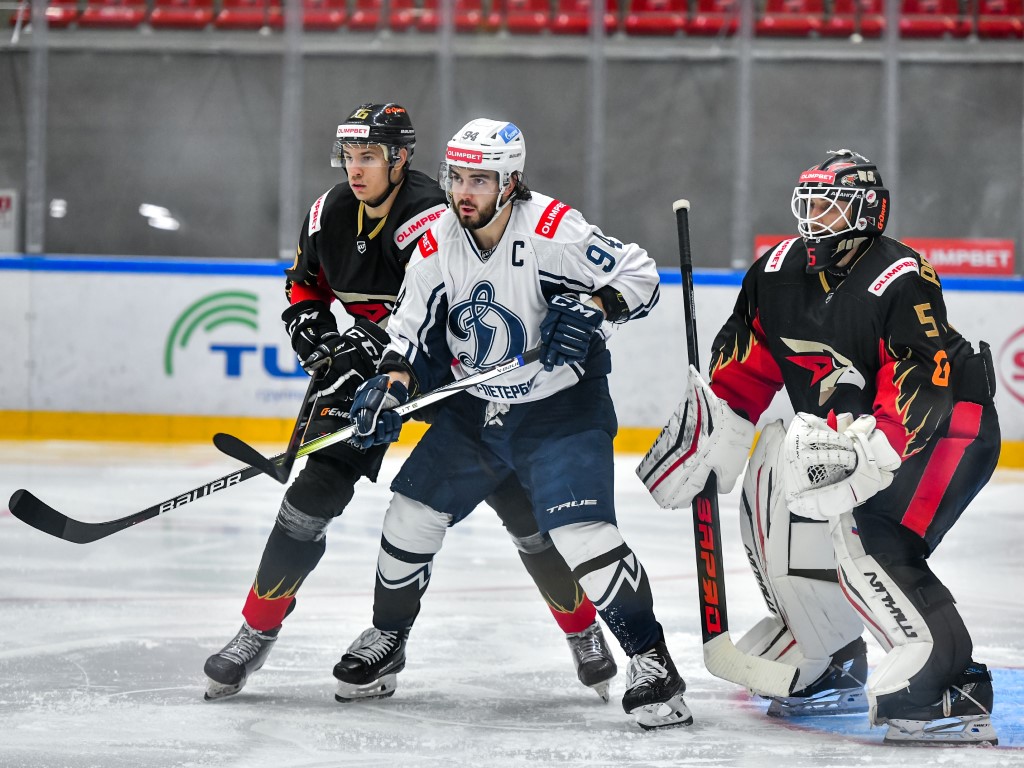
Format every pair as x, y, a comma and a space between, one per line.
392, 186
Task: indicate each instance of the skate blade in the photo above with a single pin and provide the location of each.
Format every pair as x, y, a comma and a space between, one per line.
950, 730
835, 703
665, 714
381, 688
603, 690
215, 690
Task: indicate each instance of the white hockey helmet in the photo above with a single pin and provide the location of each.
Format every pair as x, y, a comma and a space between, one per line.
493, 145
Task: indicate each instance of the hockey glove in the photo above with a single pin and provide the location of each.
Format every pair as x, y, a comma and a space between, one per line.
307, 323
831, 471
703, 436
566, 331
351, 357
373, 411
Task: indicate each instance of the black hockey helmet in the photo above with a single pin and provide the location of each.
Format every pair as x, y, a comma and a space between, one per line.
386, 124
849, 202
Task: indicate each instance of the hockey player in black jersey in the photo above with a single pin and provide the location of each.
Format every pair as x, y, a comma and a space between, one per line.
895, 433
354, 246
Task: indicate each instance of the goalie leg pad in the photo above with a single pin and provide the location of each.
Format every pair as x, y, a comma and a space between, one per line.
703, 436
908, 610
794, 564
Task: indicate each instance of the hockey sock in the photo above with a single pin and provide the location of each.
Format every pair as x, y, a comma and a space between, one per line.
285, 565
412, 535
563, 595
614, 580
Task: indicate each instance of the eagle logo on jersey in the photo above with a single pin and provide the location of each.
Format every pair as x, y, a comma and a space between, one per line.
496, 332
828, 368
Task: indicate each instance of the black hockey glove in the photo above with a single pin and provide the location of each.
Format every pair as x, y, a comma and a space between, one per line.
307, 323
566, 331
373, 411
352, 357
343, 360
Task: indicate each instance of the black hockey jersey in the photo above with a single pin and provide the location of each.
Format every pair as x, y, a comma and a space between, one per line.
344, 254
874, 342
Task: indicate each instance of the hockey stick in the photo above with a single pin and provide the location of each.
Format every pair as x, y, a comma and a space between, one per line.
279, 470
721, 657
31, 511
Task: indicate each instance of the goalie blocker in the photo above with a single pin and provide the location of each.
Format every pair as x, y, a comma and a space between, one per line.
703, 436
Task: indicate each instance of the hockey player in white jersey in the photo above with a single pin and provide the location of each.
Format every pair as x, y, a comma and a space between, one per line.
503, 271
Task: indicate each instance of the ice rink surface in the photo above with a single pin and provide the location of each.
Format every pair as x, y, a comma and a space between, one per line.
104, 643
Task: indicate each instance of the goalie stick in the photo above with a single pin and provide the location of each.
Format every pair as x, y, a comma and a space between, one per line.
721, 657
41, 516
278, 467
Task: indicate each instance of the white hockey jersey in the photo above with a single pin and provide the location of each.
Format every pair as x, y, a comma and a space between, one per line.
460, 307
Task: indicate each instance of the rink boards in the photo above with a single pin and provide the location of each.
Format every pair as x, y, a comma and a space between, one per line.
171, 350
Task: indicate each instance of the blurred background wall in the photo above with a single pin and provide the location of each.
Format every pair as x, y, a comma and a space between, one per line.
228, 131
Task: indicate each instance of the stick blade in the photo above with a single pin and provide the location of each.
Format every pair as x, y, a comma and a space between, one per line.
245, 453
762, 676
41, 516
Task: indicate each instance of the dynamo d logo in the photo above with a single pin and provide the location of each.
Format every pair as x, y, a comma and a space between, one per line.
210, 313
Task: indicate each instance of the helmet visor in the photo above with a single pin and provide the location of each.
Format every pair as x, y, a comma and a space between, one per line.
354, 154
458, 180
826, 211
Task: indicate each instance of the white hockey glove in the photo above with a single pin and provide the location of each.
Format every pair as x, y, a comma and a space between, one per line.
703, 436
831, 471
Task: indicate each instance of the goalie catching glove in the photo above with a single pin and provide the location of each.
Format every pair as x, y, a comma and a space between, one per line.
703, 436
343, 360
830, 471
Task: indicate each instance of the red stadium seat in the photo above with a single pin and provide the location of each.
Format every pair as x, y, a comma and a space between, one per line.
714, 18
469, 17
572, 17
861, 17
113, 14
242, 14
655, 17
1001, 18
59, 13
790, 18
181, 14
402, 15
933, 18
525, 17
366, 15
324, 15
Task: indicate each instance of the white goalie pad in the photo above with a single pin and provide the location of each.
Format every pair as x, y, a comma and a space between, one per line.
810, 619
704, 435
891, 616
830, 471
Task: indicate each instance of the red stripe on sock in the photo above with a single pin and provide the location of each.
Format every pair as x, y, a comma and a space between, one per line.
263, 613
963, 430
577, 620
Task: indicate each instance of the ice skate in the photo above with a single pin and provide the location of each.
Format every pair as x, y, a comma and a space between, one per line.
229, 669
370, 666
961, 716
592, 658
654, 691
839, 690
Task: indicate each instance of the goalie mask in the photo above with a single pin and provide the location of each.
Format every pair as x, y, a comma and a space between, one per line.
838, 203
490, 145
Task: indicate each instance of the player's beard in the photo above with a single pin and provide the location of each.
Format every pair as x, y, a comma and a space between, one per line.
480, 217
